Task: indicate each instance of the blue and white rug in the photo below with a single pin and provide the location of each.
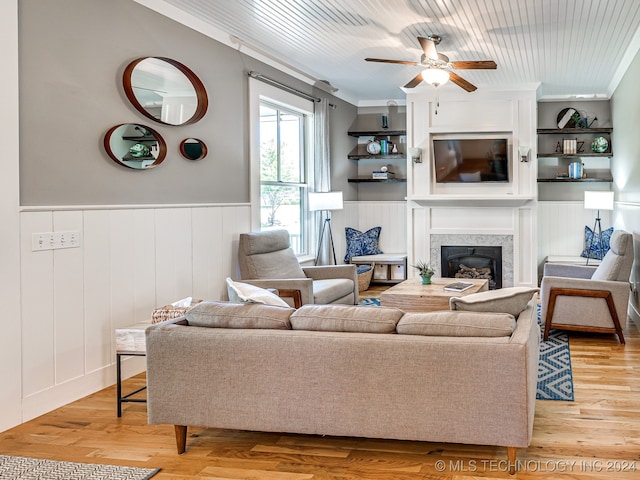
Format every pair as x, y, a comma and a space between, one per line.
555, 380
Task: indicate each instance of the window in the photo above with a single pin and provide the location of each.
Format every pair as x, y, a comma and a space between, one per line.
281, 156
283, 178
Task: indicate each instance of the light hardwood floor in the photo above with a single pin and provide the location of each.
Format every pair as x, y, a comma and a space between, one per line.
595, 437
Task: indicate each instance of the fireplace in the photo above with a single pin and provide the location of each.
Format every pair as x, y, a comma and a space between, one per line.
465, 261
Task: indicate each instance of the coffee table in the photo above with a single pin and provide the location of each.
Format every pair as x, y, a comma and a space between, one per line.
412, 296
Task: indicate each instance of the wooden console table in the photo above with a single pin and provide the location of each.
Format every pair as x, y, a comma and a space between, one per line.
412, 296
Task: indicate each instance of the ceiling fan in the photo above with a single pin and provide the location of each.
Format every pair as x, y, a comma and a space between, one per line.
438, 67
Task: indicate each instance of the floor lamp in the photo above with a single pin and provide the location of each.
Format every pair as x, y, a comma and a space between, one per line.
597, 201
325, 202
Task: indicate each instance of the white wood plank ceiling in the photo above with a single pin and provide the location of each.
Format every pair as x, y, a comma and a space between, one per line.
568, 47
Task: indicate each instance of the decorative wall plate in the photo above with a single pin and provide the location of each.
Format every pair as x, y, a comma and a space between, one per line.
599, 145
567, 118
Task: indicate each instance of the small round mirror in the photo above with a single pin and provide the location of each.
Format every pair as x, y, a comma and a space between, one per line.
135, 146
193, 149
165, 91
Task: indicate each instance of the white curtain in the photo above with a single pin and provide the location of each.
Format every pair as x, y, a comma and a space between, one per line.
322, 173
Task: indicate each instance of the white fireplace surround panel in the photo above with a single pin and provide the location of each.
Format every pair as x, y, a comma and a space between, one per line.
504, 241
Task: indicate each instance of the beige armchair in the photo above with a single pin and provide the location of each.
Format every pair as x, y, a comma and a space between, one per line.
591, 299
267, 260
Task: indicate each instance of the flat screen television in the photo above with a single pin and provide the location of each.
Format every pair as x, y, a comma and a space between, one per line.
471, 160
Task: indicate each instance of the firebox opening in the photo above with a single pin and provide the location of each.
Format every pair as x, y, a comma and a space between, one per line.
462, 261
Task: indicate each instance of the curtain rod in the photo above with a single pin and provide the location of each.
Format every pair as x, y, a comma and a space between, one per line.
282, 86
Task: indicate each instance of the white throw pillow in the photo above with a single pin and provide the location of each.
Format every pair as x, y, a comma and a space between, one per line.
243, 292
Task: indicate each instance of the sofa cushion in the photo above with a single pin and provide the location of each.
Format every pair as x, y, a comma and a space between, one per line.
330, 289
243, 292
511, 300
239, 315
457, 324
346, 318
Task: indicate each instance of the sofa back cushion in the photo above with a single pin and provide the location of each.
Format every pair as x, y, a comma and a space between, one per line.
239, 315
511, 300
346, 318
457, 324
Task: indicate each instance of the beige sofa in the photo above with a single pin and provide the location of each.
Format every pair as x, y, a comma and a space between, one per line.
452, 376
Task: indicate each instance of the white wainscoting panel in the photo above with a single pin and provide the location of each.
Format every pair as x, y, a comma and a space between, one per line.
38, 368
174, 272
68, 306
130, 260
561, 227
96, 289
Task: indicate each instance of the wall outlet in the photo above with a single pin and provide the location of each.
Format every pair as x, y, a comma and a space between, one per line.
54, 240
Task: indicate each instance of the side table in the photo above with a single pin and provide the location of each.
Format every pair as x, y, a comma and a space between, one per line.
130, 341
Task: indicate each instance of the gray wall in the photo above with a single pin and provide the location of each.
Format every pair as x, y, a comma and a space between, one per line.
625, 109
72, 54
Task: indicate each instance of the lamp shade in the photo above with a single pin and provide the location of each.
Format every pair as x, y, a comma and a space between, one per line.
435, 76
325, 201
598, 200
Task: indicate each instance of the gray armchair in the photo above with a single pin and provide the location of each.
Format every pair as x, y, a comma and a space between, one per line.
591, 299
267, 260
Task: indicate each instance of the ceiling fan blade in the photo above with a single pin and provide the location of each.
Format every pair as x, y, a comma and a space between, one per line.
461, 82
475, 65
414, 82
384, 60
428, 47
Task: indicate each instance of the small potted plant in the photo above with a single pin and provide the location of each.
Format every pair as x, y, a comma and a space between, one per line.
425, 271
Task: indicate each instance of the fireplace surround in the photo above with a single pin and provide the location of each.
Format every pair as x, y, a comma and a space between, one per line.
505, 242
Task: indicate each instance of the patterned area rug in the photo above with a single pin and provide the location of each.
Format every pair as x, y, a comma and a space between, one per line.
555, 380
24, 468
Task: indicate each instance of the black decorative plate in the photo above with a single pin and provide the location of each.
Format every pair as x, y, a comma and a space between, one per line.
566, 118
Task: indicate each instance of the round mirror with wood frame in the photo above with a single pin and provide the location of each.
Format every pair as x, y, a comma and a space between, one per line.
193, 149
135, 146
164, 90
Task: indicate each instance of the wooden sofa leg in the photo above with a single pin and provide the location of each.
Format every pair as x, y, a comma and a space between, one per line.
511, 457
181, 438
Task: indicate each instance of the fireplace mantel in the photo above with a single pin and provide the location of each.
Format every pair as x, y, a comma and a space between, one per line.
470, 200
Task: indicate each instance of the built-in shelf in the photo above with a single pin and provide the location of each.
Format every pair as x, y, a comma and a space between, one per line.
376, 180
574, 155
367, 156
376, 133
576, 180
574, 131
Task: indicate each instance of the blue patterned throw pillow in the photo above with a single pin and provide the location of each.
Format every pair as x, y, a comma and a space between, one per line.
359, 243
592, 239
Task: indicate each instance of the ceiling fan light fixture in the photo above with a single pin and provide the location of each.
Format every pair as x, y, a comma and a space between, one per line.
435, 76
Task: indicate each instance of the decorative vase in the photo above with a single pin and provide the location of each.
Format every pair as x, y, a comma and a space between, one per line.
426, 279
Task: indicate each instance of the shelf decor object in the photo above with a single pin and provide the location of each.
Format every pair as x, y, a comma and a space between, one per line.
597, 200
325, 202
599, 145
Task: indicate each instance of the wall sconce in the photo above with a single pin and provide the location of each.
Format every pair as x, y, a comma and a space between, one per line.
524, 153
415, 153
